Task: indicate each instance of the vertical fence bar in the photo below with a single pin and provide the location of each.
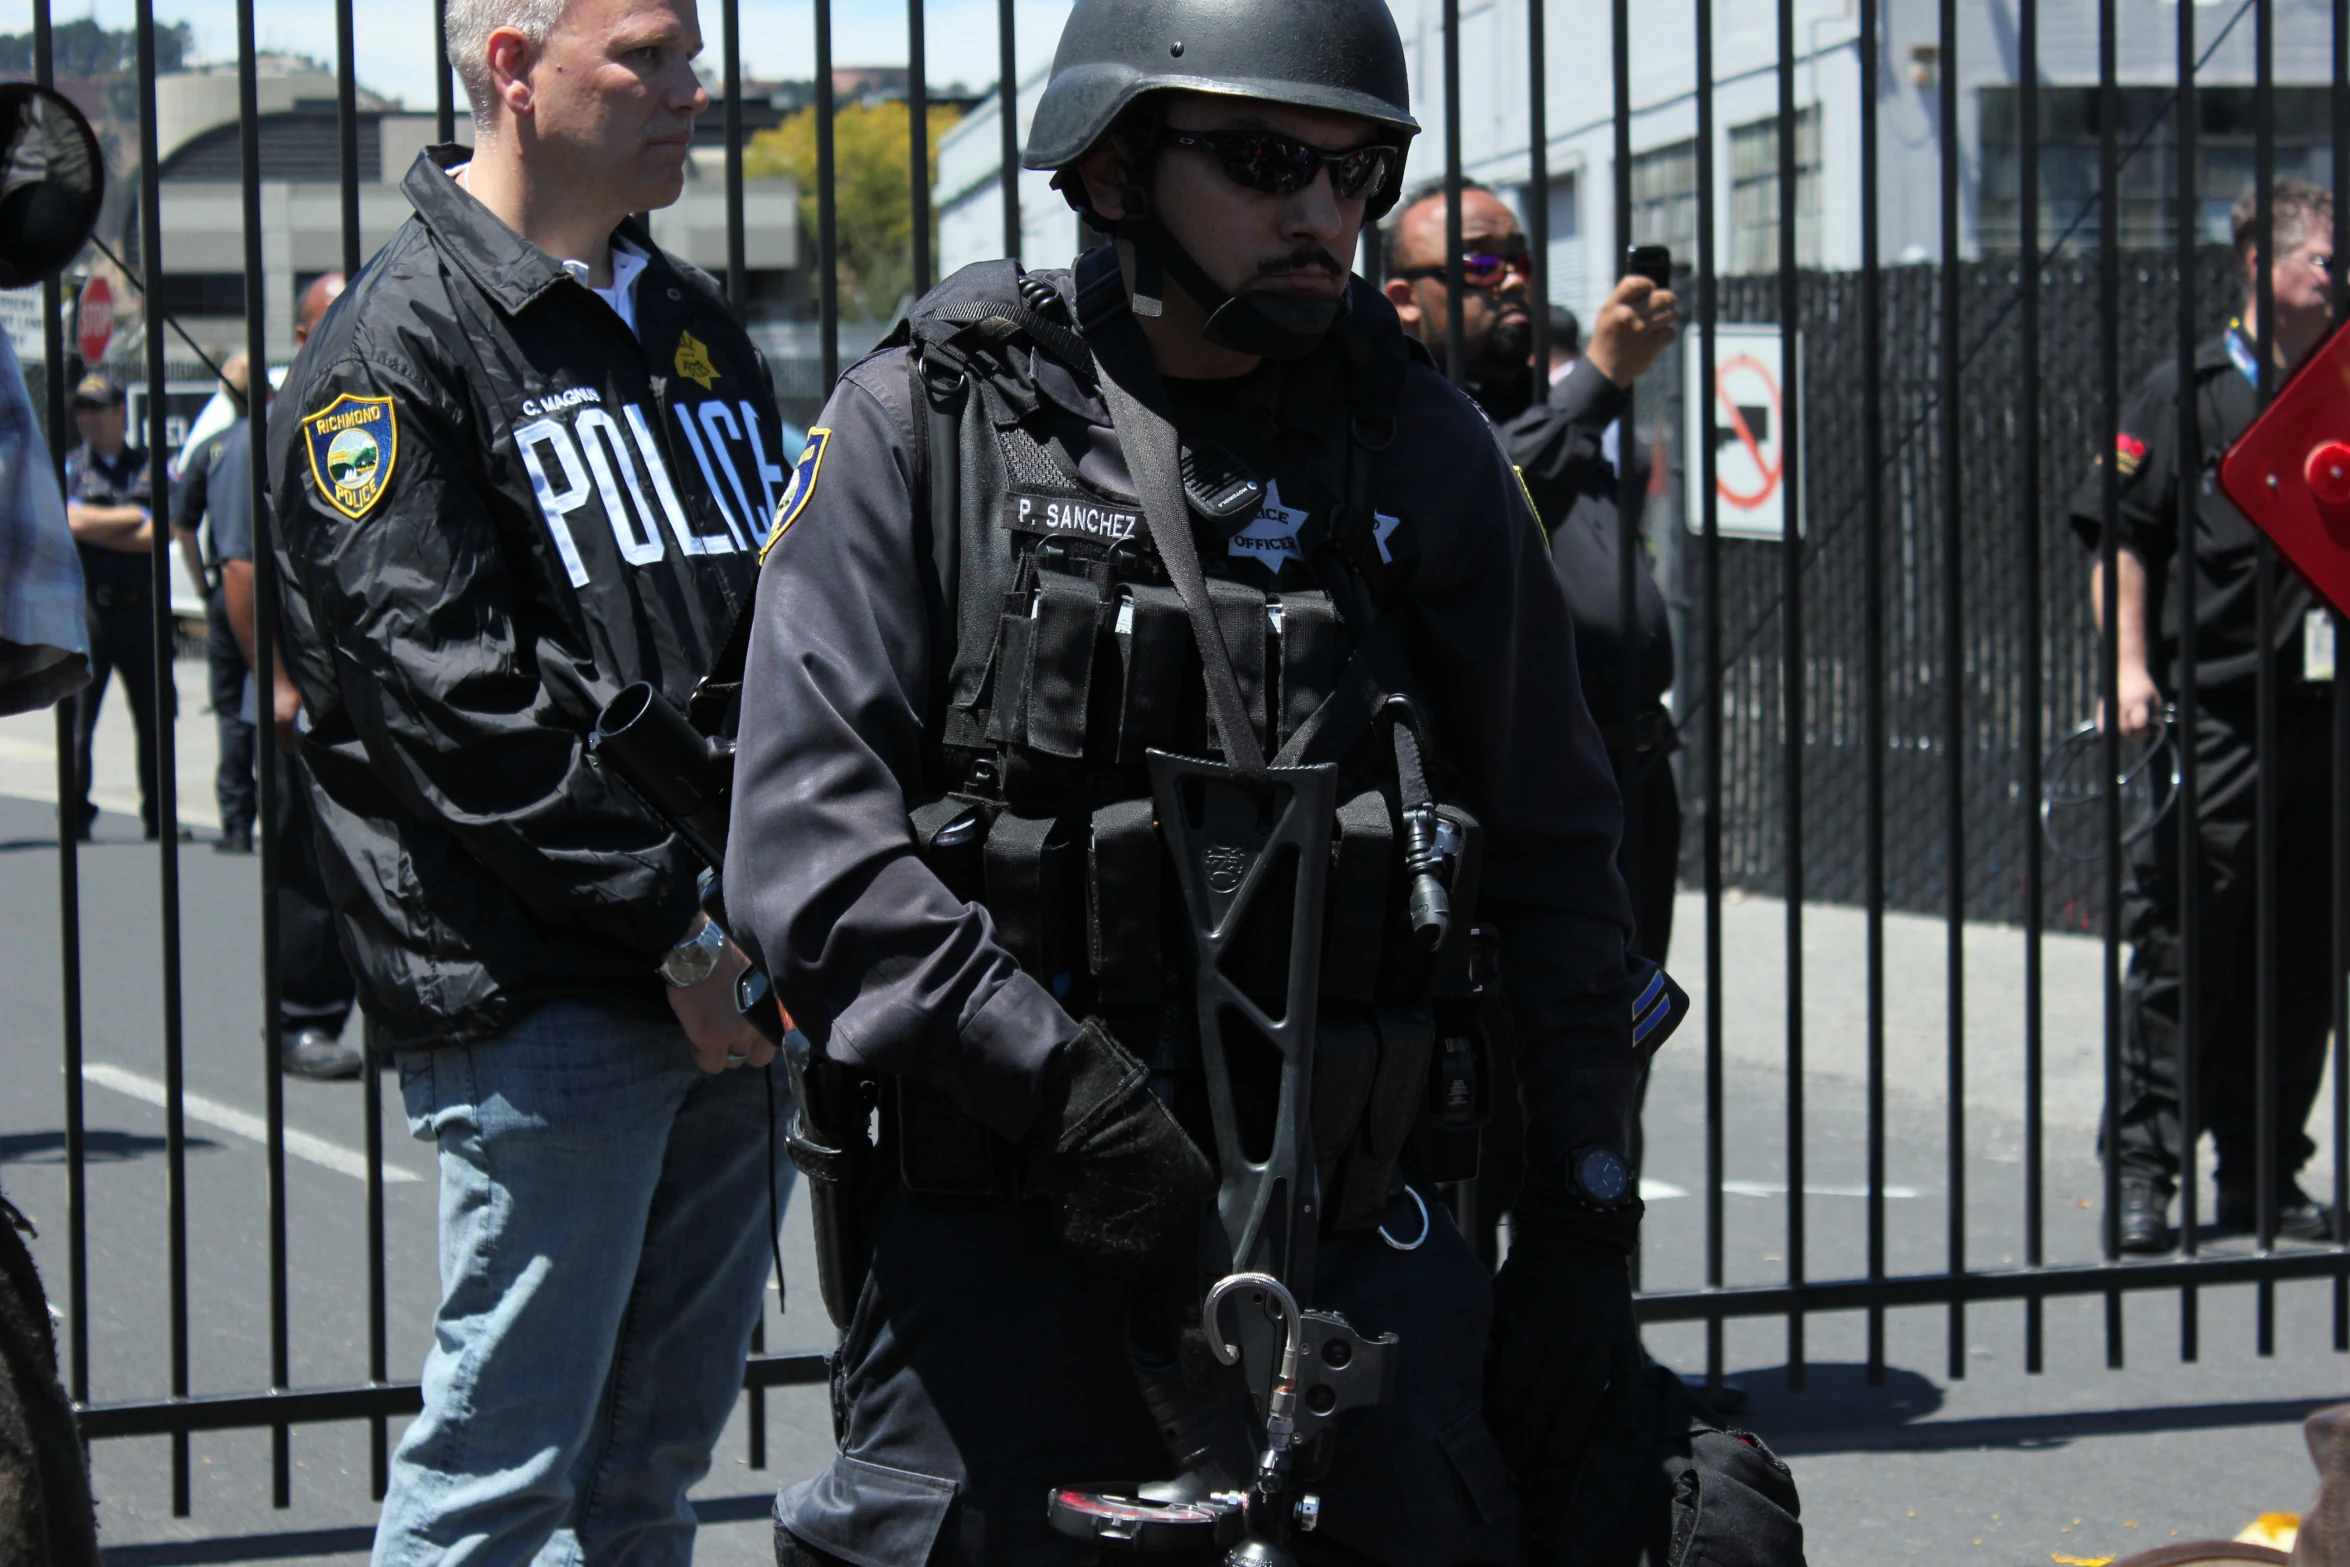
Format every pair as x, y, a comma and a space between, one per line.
1008, 125
2338, 976
1953, 694
738, 299
270, 770
444, 93
165, 780
731, 46
1628, 502
1455, 350
827, 209
2027, 141
1538, 189
1791, 671
918, 141
371, 1070
1872, 333
69, 883
1710, 515
2190, 438
2109, 639
2266, 912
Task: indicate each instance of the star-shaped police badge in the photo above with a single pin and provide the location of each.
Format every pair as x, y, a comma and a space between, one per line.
1270, 539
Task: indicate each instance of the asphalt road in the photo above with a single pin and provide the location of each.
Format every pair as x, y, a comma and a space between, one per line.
1994, 1466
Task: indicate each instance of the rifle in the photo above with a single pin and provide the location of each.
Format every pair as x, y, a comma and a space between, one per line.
685, 778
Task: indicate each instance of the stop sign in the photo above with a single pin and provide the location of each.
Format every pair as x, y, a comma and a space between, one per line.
94, 322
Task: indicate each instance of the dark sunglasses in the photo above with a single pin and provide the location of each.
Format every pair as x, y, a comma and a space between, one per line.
1480, 268
1279, 165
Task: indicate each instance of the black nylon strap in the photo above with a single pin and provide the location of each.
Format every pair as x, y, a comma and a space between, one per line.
1149, 443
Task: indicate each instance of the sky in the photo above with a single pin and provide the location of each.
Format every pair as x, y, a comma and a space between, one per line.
397, 54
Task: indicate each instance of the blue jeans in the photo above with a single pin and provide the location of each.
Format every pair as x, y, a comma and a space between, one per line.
603, 1242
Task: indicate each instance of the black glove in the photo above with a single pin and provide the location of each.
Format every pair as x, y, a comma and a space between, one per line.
1564, 1362
1129, 1185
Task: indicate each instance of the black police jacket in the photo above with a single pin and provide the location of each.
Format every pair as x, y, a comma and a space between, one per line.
1558, 446
495, 506
841, 704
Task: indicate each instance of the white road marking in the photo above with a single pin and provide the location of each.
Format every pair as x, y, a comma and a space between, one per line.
237, 1123
1655, 1190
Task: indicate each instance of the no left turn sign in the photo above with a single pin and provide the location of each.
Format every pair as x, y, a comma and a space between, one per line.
1749, 406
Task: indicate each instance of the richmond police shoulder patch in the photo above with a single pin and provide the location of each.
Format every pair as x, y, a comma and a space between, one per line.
354, 443
803, 485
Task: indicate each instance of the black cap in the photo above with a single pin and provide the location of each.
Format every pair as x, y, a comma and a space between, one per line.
97, 390
1338, 55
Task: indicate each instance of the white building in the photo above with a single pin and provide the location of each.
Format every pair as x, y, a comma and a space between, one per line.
301, 201
1581, 114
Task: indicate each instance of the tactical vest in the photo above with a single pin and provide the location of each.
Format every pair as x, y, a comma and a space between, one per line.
1065, 657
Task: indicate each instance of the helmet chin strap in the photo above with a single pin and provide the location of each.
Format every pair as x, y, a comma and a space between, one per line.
1265, 326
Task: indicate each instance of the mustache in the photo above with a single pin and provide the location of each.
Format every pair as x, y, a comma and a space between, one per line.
1304, 258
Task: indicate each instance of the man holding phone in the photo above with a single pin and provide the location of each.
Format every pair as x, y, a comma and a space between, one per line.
1581, 471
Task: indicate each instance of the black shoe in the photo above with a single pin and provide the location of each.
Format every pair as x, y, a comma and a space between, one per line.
2300, 1217
2146, 1218
237, 842
318, 1055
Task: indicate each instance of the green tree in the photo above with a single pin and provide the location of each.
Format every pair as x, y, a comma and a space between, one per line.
874, 220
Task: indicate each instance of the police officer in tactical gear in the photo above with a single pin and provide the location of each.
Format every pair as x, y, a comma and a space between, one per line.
1101, 602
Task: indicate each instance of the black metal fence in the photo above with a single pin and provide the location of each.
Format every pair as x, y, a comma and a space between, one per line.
1925, 639
2002, 646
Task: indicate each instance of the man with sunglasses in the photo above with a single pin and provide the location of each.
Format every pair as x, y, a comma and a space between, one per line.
1197, 509
2223, 643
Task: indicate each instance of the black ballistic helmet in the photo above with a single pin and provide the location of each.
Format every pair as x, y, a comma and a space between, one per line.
1343, 56
52, 179
1340, 55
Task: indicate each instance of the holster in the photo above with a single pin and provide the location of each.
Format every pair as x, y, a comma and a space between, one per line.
828, 1146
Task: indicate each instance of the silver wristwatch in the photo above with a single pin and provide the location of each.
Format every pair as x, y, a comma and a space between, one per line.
691, 960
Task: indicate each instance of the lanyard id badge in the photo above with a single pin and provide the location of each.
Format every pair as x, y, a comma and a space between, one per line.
2317, 646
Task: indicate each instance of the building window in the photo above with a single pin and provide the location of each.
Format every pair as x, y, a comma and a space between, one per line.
1754, 194
193, 294
2225, 159
1664, 197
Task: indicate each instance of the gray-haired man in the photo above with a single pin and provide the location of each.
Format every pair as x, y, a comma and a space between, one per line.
521, 465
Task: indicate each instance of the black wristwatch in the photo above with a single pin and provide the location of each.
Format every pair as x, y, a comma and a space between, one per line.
1599, 1178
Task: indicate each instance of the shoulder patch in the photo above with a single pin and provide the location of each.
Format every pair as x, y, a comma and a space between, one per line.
354, 444
2128, 453
694, 362
803, 485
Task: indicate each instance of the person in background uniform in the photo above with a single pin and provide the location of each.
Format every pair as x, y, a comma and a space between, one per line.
520, 466
1564, 445
193, 501
111, 510
315, 990
2224, 644
1196, 477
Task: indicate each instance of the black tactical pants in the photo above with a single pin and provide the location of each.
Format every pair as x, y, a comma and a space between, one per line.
315, 985
232, 780
985, 1366
122, 641
2225, 880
